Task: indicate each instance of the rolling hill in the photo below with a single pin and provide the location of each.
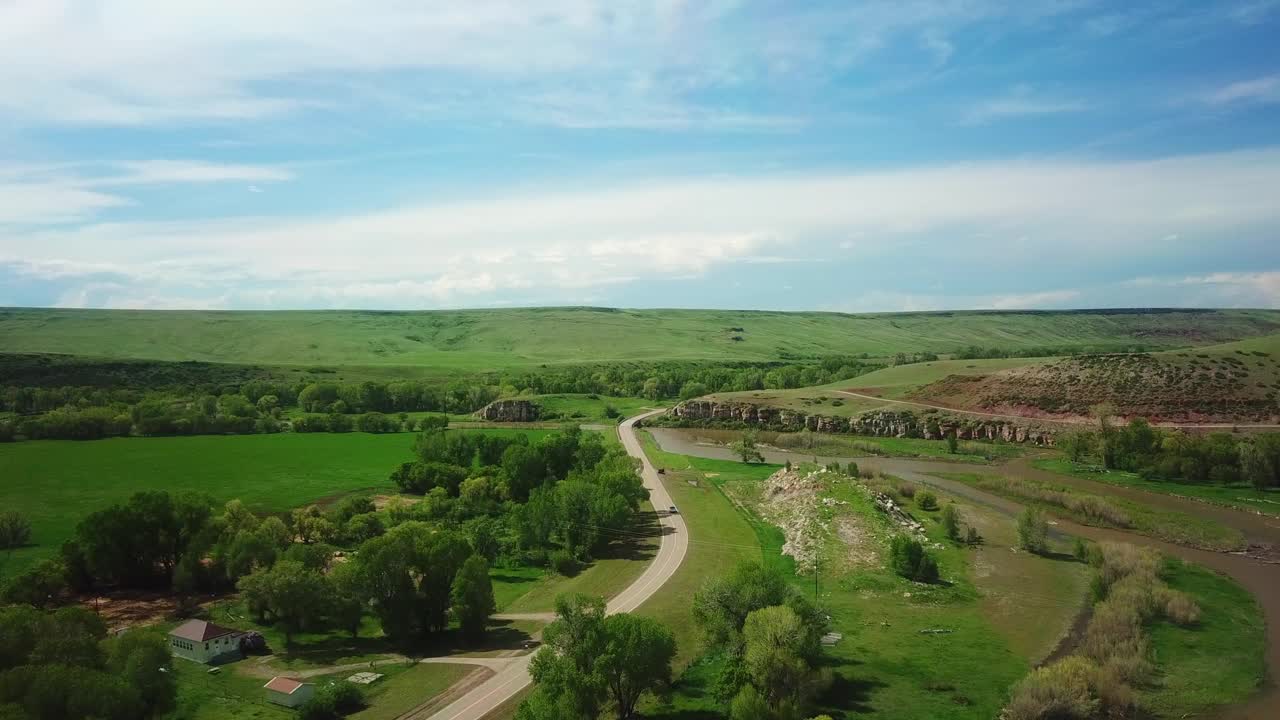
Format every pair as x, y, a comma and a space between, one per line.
469, 340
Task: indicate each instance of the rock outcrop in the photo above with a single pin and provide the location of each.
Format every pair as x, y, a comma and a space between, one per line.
929, 425
510, 411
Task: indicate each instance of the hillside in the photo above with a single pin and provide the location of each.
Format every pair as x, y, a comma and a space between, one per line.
515, 338
1223, 383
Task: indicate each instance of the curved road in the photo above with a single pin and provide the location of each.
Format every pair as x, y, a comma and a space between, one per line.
513, 677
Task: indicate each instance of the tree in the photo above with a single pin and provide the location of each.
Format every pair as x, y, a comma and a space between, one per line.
950, 520
722, 604
143, 661
636, 659
776, 663
568, 685
908, 558
1033, 531
472, 596
346, 602
524, 469
1106, 434
37, 586
15, 530
1075, 444
1258, 466
291, 592
953, 443
745, 447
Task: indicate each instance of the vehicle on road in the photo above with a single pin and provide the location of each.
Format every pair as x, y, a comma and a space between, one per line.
672, 510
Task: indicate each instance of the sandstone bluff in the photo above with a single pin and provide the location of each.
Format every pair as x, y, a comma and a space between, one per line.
878, 423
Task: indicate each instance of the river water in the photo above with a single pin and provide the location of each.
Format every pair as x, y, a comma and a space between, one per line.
1258, 576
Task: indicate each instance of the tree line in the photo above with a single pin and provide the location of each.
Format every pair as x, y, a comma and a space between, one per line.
258, 406
1151, 452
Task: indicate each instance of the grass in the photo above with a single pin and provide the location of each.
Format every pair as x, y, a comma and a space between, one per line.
847, 446
1241, 496
885, 667
398, 693
590, 407
232, 695
477, 340
55, 483
608, 574
1227, 645
1168, 525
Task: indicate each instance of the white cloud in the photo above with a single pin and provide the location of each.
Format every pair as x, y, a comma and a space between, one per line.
65, 193
1044, 212
1239, 289
1257, 90
1020, 102
135, 62
1035, 300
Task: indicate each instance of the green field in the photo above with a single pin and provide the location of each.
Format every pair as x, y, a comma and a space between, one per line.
1168, 525
54, 483
1000, 621
1244, 497
521, 338
1227, 644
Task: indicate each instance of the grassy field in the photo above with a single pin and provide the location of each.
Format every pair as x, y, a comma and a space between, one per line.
1244, 497
54, 483
1168, 525
1003, 609
1226, 645
232, 695
515, 338
824, 445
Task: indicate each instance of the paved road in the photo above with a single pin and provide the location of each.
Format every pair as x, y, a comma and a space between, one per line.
1060, 421
514, 677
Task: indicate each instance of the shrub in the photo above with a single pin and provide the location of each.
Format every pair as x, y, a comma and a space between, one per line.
1080, 549
852, 469
15, 530
971, 535
907, 557
927, 501
950, 520
1060, 690
907, 490
611, 411
1033, 531
562, 563
1179, 608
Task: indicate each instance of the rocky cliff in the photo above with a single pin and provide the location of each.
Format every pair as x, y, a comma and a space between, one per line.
510, 411
930, 425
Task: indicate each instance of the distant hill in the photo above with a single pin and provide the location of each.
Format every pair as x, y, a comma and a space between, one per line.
520, 338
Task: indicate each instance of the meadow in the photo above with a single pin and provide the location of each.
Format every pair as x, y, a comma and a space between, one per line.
1239, 495
471, 340
54, 483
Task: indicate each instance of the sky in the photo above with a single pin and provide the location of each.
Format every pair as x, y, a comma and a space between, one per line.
846, 156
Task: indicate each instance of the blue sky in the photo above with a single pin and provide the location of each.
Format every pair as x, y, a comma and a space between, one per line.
849, 156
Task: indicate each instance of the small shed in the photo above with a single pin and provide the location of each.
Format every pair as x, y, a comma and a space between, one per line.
289, 692
204, 642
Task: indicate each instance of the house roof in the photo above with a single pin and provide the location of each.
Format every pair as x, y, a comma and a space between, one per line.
283, 685
200, 631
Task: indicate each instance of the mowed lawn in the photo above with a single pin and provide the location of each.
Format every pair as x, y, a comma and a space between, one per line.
55, 483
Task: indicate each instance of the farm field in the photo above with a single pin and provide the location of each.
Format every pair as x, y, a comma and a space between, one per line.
473, 340
55, 483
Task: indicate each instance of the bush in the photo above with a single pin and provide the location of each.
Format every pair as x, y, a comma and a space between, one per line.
1033, 531
1060, 690
907, 490
563, 563
927, 501
950, 520
15, 530
907, 557
1179, 608
1080, 549
852, 469
971, 535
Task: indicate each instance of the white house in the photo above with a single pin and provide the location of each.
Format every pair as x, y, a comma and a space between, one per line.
204, 642
289, 692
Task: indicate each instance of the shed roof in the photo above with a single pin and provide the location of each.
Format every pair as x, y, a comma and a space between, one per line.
200, 631
283, 685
